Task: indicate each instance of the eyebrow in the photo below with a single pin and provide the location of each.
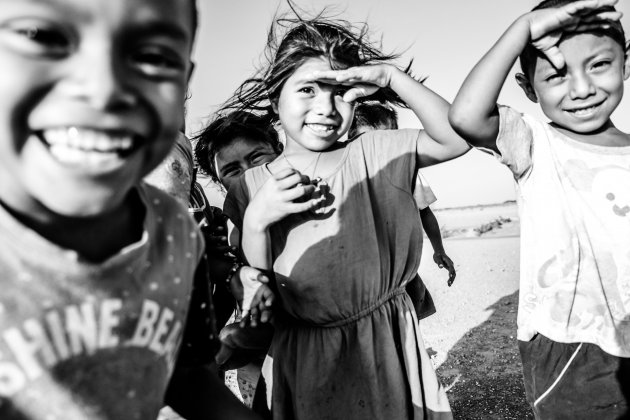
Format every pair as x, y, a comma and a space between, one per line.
258, 149
62, 6
150, 27
320, 84
599, 51
157, 28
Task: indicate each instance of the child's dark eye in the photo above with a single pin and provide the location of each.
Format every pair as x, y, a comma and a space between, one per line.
307, 89
341, 91
601, 65
158, 62
553, 77
40, 39
257, 158
231, 173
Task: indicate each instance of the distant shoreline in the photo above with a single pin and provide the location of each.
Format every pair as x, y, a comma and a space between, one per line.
474, 206
481, 220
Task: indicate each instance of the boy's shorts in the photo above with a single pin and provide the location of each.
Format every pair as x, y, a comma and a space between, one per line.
574, 381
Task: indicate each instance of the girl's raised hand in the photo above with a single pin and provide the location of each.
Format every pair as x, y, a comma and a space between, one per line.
548, 25
286, 192
363, 80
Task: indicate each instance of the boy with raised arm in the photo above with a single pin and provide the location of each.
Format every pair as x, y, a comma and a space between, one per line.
573, 178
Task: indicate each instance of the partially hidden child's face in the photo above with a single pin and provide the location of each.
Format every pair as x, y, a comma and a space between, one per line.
238, 156
582, 96
313, 114
91, 98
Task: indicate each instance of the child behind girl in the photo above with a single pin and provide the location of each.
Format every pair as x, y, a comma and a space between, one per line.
227, 147
337, 223
573, 178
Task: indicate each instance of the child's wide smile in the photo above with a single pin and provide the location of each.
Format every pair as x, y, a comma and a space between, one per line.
582, 96
585, 111
89, 149
322, 129
92, 99
313, 113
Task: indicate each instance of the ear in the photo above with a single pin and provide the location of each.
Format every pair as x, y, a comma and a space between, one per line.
527, 87
274, 105
626, 65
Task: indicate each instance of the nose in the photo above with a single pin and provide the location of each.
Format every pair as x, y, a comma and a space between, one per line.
325, 103
581, 86
245, 165
97, 79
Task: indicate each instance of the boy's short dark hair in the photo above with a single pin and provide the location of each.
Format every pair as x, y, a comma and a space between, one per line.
223, 130
375, 115
529, 54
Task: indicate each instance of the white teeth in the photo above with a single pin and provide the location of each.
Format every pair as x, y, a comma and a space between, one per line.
88, 140
78, 157
322, 128
583, 111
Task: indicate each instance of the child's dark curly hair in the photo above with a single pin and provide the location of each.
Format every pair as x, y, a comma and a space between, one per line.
614, 31
374, 115
224, 129
301, 39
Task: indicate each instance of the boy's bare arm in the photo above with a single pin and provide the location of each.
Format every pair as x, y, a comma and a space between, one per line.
438, 142
473, 113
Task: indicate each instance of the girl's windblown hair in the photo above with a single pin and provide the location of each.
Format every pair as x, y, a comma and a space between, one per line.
293, 40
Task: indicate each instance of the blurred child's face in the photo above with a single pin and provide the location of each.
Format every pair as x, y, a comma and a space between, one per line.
91, 98
238, 156
582, 96
313, 114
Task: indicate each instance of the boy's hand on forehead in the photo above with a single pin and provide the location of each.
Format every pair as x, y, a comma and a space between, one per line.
548, 25
363, 80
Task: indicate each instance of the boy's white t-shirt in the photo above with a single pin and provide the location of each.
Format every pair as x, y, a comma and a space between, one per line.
574, 203
422, 193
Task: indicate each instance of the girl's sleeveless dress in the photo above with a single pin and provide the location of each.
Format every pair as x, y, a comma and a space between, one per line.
347, 343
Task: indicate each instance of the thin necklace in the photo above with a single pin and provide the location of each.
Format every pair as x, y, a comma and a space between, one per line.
314, 161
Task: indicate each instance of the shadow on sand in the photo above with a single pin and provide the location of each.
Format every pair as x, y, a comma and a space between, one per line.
482, 371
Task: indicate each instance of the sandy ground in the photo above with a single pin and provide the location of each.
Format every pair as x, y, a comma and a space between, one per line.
472, 337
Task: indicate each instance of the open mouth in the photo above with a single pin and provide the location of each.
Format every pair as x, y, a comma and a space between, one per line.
322, 128
86, 146
584, 111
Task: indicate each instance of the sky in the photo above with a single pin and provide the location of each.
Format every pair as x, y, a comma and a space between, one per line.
445, 38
